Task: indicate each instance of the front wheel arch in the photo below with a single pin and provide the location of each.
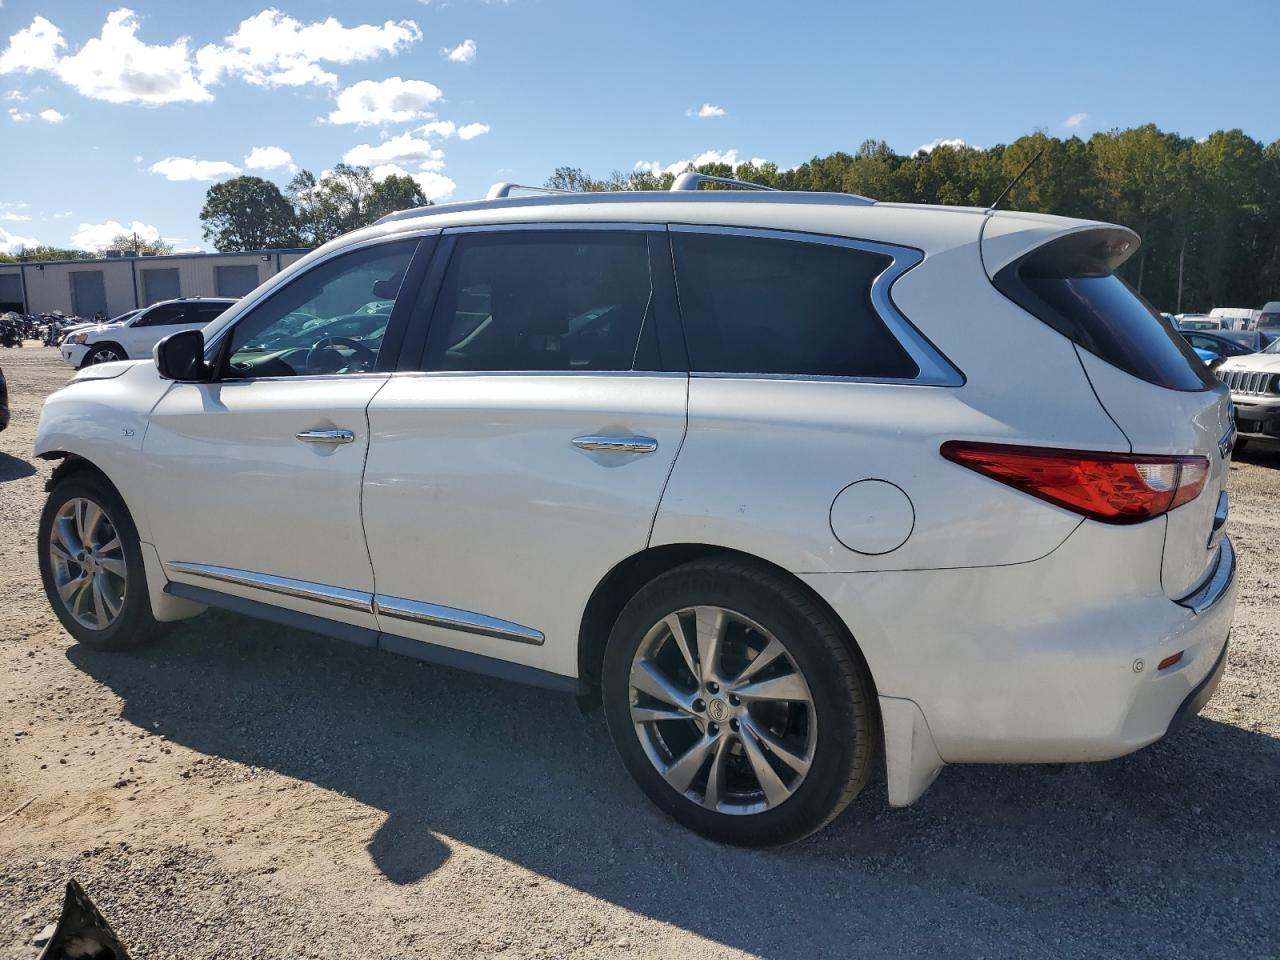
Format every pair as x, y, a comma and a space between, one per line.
111, 344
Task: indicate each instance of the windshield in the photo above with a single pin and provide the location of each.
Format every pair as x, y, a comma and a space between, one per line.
1273, 347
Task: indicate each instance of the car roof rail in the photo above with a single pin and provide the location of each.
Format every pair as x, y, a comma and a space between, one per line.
691, 180
502, 190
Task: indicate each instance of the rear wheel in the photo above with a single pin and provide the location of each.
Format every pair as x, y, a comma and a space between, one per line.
91, 564
737, 704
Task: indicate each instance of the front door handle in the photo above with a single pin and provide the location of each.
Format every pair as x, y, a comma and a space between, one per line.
325, 436
617, 444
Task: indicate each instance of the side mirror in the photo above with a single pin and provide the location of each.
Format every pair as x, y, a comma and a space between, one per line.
180, 356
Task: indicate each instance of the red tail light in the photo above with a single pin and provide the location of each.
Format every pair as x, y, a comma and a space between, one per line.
1111, 487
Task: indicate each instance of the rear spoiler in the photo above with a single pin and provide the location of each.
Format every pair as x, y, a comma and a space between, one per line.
1068, 247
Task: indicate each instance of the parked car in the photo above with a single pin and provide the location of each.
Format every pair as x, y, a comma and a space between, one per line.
1254, 341
1235, 318
1198, 321
135, 336
921, 479
1213, 348
1269, 319
1254, 381
4, 402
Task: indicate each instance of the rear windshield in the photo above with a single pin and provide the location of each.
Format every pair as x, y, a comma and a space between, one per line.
1071, 288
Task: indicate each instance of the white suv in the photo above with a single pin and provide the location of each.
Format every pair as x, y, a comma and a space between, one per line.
784, 478
141, 331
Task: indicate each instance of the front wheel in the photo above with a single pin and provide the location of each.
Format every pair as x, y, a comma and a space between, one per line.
737, 704
91, 564
103, 355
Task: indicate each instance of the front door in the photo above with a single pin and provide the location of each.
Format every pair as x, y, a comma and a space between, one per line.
526, 455
255, 477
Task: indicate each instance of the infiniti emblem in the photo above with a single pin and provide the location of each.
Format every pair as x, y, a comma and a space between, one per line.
718, 711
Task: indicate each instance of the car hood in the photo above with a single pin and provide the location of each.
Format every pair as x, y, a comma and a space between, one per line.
1267, 362
106, 371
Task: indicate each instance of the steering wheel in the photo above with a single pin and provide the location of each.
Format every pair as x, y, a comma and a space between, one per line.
324, 348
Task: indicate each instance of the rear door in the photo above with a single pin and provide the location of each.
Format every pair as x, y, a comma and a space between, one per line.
525, 455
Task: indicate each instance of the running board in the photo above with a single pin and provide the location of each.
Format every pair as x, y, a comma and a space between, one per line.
365, 637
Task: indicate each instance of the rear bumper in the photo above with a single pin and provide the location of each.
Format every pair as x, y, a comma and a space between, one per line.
1201, 695
1057, 660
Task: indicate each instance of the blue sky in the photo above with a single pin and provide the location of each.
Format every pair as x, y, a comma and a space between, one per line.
120, 114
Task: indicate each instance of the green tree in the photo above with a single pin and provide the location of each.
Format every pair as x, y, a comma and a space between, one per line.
248, 213
137, 245
396, 192
338, 201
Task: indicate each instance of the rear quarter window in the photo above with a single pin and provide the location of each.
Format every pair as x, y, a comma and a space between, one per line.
760, 305
1070, 285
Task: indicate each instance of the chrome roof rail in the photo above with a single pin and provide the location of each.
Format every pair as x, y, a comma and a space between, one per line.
690, 180
500, 191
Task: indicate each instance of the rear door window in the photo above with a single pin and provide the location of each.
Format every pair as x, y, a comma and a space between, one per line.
1069, 285
762, 305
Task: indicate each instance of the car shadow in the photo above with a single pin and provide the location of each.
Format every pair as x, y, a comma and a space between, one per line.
1024, 851
14, 468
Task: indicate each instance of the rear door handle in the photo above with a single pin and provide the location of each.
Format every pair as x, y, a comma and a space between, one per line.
616, 444
325, 436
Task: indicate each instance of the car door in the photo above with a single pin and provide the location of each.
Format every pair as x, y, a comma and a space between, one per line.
255, 477
526, 454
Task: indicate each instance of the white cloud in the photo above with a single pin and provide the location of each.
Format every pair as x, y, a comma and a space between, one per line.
189, 168
17, 116
273, 49
469, 131
647, 166
435, 186
119, 68
438, 128
402, 149
385, 101
269, 158
12, 243
98, 236
13, 217
464, 52
15, 96
51, 116
940, 142
1075, 121
705, 111
32, 48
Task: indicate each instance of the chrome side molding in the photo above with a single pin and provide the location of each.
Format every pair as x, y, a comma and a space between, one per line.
284, 586
413, 611
451, 618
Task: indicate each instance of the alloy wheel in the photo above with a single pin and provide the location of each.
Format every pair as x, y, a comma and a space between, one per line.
87, 560
106, 355
722, 710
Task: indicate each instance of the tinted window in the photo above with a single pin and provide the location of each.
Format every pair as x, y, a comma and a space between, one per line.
757, 305
545, 300
208, 312
1069, 285
329, 320
164, 316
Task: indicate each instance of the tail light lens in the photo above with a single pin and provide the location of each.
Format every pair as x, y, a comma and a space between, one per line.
1111, 487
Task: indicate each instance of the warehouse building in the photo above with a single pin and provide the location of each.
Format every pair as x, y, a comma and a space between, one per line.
116, 283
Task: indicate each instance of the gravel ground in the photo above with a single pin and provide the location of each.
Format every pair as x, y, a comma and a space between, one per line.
242, 790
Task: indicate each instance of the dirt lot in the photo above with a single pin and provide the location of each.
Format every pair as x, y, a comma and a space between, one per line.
241, 790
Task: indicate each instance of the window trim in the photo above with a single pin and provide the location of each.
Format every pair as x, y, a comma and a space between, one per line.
671, 349
935, 370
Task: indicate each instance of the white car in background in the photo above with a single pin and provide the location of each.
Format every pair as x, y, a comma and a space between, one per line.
1254, 381
139, 333
785, 479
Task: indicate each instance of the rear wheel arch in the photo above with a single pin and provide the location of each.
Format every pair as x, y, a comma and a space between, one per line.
626, 579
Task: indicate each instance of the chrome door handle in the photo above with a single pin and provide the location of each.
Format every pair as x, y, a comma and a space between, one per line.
325, 436
617, 444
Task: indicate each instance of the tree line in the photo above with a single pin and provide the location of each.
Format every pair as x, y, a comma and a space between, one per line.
1208, 211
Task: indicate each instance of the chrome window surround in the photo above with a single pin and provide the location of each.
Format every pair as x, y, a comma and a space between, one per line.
935, 369
450, 618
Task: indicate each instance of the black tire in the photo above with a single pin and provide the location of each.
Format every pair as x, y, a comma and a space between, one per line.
842, 697
134, 624
103, 353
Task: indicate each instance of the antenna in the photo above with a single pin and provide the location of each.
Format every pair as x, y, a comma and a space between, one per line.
1014, 182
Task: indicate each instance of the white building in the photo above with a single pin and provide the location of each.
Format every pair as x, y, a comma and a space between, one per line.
116, 283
